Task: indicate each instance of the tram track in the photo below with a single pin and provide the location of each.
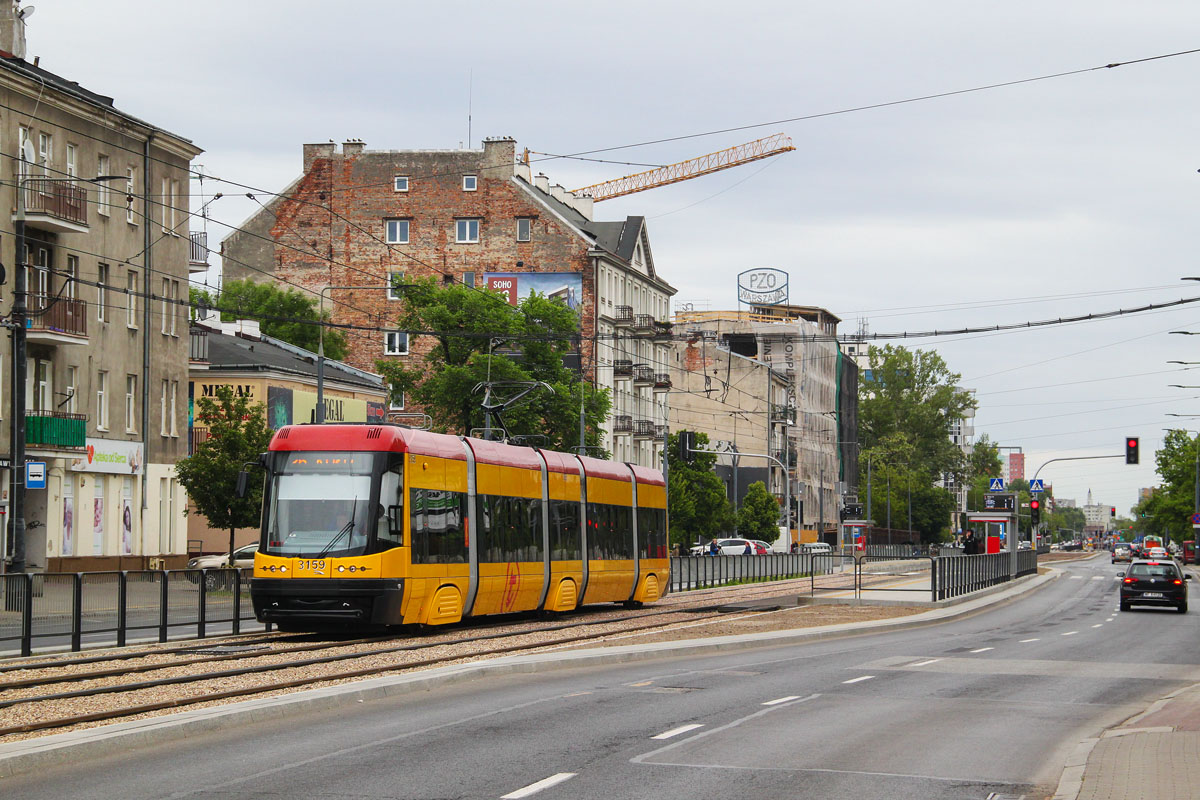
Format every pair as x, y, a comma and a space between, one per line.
170, 684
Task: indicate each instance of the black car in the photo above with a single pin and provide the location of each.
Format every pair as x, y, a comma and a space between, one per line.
1154, 583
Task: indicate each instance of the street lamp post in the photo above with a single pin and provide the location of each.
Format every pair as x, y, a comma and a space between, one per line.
320, 410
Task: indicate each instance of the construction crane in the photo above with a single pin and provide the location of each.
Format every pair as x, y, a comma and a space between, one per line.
692, 168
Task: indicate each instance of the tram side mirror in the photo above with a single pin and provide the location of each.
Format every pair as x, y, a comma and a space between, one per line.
264, 460
396, 523
243, 481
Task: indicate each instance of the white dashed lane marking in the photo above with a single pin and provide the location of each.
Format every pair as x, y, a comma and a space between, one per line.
534, 788
856, 680
925, 663
983, 650
1026, 641
679, 730
1076, 577
1098, 625
1070, 633
787, 699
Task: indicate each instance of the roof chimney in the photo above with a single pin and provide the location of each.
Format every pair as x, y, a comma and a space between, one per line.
12, 27
352, 147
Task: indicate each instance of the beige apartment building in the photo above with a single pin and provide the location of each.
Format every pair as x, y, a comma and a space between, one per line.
106, 259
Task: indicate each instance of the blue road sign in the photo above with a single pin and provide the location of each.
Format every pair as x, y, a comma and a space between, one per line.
996, 484
1035, 485
35, 474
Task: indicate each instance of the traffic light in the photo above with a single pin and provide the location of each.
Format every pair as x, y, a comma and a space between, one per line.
1035, 511
687, 443
1112, 512
1131, 449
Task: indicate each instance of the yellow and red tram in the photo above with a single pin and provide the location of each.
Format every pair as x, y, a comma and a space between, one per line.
385, 525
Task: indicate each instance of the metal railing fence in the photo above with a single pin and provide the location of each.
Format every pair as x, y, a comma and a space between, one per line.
62, 610
702, 572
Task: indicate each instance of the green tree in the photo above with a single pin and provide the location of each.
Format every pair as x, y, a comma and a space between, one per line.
285, 314
697, 505
1168, 510
237, 433
478, 337
758, 518
911, 395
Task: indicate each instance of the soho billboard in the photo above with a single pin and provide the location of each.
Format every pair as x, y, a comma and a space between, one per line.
763, 286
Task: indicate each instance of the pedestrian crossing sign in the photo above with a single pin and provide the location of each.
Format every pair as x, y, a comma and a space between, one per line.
996, 484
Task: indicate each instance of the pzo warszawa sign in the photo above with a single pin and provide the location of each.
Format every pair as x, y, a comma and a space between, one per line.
763, 286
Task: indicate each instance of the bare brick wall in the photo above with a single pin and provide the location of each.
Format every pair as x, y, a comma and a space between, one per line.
330, 231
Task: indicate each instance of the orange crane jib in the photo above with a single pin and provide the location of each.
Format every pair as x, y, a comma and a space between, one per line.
692, 168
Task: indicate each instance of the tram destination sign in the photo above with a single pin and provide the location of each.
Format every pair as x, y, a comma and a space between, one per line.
764, 286
1000, 502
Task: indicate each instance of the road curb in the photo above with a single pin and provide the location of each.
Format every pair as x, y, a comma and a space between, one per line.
45, 751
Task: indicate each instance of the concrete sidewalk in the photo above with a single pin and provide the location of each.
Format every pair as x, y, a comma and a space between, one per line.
1152, 756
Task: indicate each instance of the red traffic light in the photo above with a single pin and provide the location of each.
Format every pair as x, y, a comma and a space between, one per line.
1131, 450
1035, 504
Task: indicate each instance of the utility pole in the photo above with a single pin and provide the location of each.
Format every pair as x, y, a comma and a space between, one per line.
16, 501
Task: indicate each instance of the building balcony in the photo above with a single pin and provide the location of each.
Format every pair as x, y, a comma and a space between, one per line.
660, 431
643, 428
783, 415
623, 315
52, 321
643, 322
643, 375
622, 369
662, 381
55, 429
198, 252
196, 437
55, 205
622, 424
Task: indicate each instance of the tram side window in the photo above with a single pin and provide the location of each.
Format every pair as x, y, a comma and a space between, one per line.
610, 532
391, 493
652, 533
436, 521
564, 531
509, 529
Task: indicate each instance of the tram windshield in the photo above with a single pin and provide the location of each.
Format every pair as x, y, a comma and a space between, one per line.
321, 504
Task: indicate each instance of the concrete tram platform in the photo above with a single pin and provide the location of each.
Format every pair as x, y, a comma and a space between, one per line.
31, 754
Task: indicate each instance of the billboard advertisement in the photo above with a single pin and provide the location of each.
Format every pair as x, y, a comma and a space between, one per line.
516, 286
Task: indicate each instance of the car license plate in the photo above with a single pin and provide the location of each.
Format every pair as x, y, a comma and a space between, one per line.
1152, 594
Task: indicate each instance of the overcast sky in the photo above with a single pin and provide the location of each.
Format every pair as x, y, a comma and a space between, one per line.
1042, 200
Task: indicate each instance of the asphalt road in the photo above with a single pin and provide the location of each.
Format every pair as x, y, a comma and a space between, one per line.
964, 709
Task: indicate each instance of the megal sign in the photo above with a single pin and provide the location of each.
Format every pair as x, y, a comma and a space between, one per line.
763, 286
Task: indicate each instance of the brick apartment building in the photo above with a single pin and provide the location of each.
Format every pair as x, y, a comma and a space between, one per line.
371, 218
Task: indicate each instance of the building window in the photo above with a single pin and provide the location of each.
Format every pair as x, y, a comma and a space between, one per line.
130, 192
174, 305
43, 388
395, 400
165, 203
166, 308
395, 343
400, 183
45, 152
396, 231
22, 138
395, 290
171, 208
466, 231
469, 280
103, 193
470, 183
71, 277
163, 425
72, 383
131, 300
72, 169
130, 403
102, 401
102, 292
524, 229
171, 407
